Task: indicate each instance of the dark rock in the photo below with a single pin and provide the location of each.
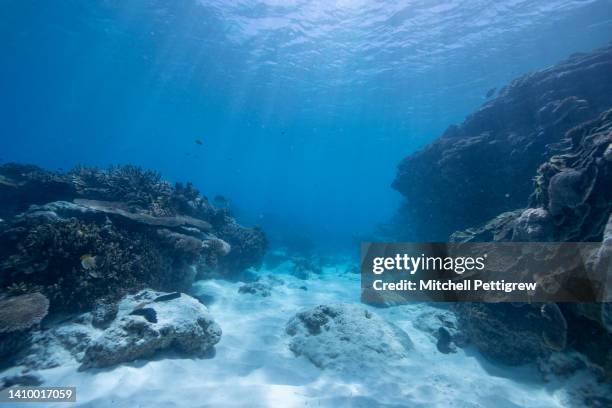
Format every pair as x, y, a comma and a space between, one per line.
146, 312
499, 228
169, 296
533, 225
513, 333
485, 166
588, 336
23, 380
444, 343
256, 288
561, 364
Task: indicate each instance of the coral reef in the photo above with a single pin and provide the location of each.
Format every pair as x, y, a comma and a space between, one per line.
107, 233
346, 337
248, 246
572, 202
485, 165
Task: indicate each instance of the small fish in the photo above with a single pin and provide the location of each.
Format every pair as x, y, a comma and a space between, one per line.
88, 261
220, 200
199, 142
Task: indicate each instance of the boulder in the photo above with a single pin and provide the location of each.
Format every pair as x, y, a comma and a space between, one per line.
346, 337
148, 322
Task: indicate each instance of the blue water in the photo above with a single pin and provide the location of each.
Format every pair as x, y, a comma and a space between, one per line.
304, 108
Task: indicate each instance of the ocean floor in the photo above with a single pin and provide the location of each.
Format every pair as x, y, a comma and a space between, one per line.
253, 366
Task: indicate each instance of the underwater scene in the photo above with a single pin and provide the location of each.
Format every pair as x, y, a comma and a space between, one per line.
186, 187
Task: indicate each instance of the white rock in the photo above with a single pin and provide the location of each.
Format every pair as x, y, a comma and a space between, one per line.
346, 337
151, 321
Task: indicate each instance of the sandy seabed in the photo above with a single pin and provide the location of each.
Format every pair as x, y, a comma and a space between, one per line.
253, 366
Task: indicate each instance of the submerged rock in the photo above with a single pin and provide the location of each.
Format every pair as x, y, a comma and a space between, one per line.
513, 333
144, 325
346, 337
256, 288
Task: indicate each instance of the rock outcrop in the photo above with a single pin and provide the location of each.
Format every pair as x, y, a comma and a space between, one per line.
346, 337
485, 166
106, 233
572, 202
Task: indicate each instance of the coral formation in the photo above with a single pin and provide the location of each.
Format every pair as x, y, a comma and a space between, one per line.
572, 202
554, 127
485, 165
22, 312
106, 233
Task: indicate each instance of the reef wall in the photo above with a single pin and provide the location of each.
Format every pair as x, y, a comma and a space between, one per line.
532, 165
571, 202
485, 166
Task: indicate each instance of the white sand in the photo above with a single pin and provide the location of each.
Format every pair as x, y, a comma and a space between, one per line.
253, 366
